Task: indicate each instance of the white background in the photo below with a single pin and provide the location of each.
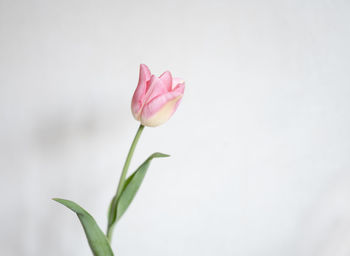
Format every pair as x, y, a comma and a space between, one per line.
260, 144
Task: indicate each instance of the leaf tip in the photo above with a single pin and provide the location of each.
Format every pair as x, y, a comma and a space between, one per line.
158, 154
65, 202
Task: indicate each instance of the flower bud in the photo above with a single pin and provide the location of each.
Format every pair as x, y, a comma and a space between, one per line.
156, 98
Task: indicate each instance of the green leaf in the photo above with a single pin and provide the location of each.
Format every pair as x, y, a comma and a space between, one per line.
97, 240
131, 186
111, 210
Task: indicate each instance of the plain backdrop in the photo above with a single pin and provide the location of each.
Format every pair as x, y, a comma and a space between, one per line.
259, 146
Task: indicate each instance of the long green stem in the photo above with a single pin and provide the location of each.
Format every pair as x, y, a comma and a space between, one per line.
124, 172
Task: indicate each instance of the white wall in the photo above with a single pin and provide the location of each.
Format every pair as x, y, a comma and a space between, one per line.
260, 144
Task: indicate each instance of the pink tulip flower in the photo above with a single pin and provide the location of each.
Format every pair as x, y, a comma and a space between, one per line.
156, 98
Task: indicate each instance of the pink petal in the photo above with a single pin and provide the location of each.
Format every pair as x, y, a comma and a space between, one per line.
138, 98
145, 73
156, 88
167, 80
176, 81
161, 108
181, 89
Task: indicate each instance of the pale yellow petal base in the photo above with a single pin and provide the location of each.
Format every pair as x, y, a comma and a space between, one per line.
162, 115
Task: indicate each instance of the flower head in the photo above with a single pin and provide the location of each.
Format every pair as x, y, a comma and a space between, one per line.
156, 98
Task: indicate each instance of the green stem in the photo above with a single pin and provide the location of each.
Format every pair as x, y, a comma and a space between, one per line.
128, 160
124, 172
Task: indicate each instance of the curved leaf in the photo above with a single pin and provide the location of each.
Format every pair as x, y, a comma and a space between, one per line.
97, 240
131, 186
